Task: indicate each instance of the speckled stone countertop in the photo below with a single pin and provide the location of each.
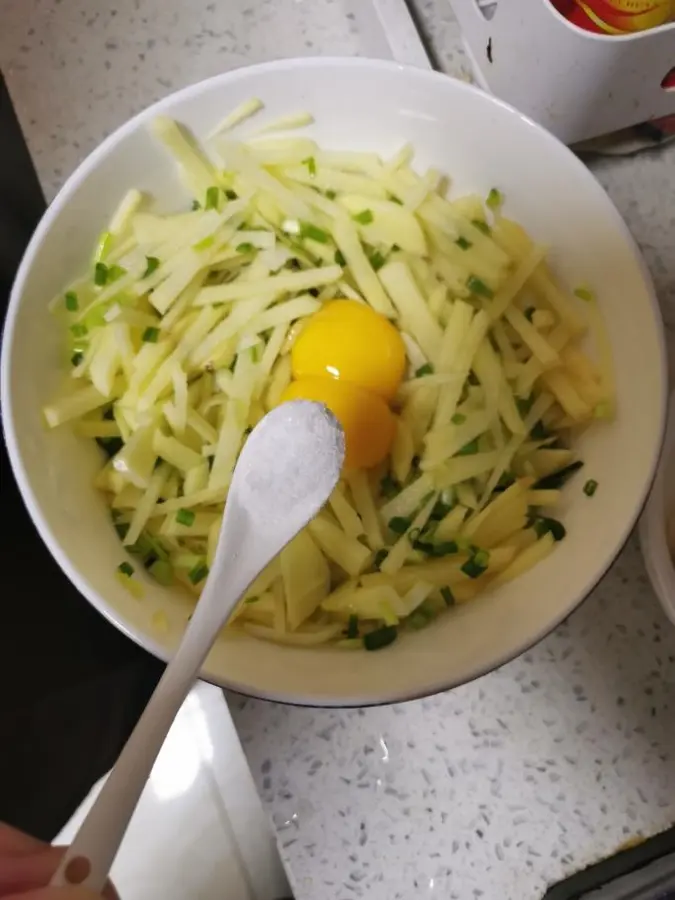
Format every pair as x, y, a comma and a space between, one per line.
504, 785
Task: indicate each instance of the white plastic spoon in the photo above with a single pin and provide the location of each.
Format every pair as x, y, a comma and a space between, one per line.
286, 472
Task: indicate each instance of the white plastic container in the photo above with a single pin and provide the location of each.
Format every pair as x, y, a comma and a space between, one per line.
576, 84
658, 520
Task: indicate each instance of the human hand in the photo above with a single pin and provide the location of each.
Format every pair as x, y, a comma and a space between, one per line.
27, 866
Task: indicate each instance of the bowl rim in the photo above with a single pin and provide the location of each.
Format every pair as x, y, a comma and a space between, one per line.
144, 639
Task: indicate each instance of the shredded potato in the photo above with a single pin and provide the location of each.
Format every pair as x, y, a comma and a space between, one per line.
180, 338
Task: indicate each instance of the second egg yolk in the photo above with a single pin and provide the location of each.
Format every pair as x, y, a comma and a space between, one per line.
349, 341
352, 359
368, 423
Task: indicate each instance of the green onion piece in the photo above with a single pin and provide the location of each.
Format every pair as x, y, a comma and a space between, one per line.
395, 199
389, 486
230, 194
376, 640
307, 230
161, 571
463, 243
426, 369
78, 330
584, 293
477, 564
590, 487
76, 358
556, 480
121, 528
476, 286
377, 260
481, 225
440, 510
212, 197
446, 594
115, 273
151, 335
100, 274
399, 524
126, 569
310, 162
198, 573
72, 304
196, 205
185, 517
494, 199
245, 247
469, 449
331, 195
529, 312
539, 432
251, 599
152, 265
205, 243
339, 258
443, 548
352, 627
365, 217
417, 620
525, 404
543, 525
458, 419
380, 557
505, 481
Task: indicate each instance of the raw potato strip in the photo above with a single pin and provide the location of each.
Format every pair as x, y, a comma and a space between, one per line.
197, 171
604, 347
365, 506
527, 559
562, 388
349, 554
532, 369
345, 513
490, 373
364, 275
463, 468
295, 638
273, 285
291, 121
124, 213
407, 501
147, 504
402, 451
515, 283
239, 114
391, 224
449, 398
412, 307
444, 442
403, 547
539, 346
73, 406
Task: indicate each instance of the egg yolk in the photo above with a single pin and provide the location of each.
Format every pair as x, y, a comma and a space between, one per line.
349, 341
369, 425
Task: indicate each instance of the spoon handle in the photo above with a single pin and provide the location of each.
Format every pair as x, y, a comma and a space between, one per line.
88, 860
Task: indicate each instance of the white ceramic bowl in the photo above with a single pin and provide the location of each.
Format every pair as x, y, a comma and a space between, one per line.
479, 142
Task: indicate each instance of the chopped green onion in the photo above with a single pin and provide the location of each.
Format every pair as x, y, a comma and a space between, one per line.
584, 293
463, 244
365, 217
126, 569
440, 510
481, 225
494, 199
331, 195
198, 573
556, 480
78, 330
310, 162
246, 247
505, 481
205, 243
525, 404
446, 594
477, 564
115, 273
251, 599
458, 419
377, 260
443, 548
152, 265
230, 194
529, 312
389, 487
426, 369
76, 358
185, 517
395, 199
151, 335
307, 230
161, 571
539, 432
380, 557
476, 286
376, 640
543, 525
100, 274
196, 205
352, 627
399, 524
72, 304
469, 449
590, 487
339, 258
212, 197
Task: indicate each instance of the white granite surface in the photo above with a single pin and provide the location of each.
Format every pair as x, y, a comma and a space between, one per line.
504, 785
